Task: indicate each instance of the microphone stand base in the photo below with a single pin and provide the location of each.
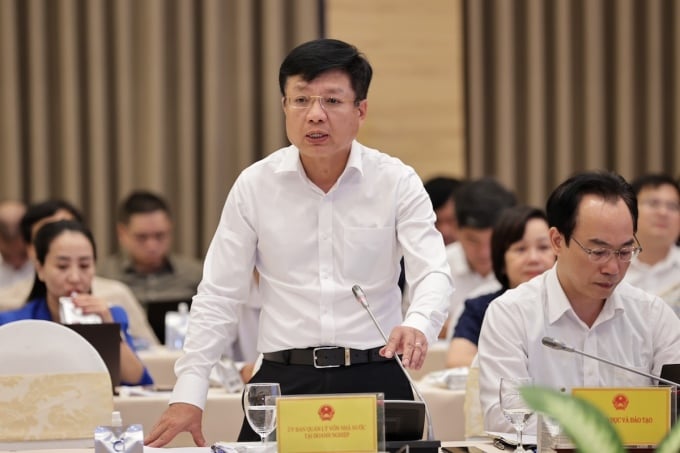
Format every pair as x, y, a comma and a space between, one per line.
415, 446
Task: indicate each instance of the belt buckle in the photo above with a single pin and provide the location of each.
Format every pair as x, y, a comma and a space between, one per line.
347, 356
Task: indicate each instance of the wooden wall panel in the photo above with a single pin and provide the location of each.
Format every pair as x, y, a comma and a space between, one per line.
416, 104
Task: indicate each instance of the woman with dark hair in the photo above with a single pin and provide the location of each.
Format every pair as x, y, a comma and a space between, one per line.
65, 263
520, 250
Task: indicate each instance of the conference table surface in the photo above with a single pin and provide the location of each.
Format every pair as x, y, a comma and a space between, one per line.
223, 413
478, 446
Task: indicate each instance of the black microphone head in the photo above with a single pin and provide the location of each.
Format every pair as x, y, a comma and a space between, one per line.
555, 344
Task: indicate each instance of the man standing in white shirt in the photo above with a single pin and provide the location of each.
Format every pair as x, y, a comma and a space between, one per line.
581, 300
314, 219
15, 264
657, 270
478, 203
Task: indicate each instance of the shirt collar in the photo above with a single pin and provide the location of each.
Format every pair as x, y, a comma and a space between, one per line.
128, 268
559, 302
672, 260
291, 159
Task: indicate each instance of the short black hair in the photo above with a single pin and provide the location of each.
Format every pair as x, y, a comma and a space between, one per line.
38, 211
479, 203
654, 180
141, 202
441, 189
48, 232
509, 229
313, 58
563, 203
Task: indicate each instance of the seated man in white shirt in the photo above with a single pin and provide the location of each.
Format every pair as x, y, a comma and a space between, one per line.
14, 262
582, 301
658, 269
478, 203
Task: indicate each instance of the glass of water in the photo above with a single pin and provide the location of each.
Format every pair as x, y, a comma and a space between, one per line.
259, 403
515, 410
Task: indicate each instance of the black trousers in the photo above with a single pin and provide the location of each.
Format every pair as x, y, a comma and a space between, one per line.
386, 377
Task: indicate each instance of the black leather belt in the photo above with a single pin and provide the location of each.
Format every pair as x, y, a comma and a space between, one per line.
326, 356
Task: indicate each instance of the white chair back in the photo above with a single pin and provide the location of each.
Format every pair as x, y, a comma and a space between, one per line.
54, 387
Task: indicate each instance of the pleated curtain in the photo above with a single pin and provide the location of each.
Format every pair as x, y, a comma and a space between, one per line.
100, 97
558, 86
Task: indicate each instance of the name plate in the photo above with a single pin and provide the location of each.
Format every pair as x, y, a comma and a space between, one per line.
328, 423
641, 415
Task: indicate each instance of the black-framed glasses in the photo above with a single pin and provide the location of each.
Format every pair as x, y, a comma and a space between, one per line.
328, 103
602, 254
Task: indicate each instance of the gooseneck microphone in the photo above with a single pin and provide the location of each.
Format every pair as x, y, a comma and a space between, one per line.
560, 346
360, 296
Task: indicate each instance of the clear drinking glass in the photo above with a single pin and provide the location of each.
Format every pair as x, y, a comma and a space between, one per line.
515, 410
259, 403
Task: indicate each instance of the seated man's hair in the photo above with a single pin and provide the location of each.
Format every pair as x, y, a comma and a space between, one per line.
141, 202
480, 202
441, 189
38, 211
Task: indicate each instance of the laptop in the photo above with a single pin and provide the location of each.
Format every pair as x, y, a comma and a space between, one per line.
671, 371
105, 338
155, 313
404, 420
404, 426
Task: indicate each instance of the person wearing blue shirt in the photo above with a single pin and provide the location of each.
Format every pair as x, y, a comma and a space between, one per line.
65, 255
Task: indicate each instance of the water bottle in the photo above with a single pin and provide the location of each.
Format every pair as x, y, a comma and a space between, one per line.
176, 323
116, 438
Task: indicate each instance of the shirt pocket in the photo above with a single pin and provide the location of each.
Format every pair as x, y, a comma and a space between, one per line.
369, 254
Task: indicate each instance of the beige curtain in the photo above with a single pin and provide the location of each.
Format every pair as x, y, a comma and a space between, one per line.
558, 86
100, 97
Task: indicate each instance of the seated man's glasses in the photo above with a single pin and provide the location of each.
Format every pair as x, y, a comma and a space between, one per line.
654, 203
328, 103
602, 255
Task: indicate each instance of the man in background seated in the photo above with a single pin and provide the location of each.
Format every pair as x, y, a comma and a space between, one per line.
144, 261
478, 203
14, 296
582, 301
14, 262
441, 191
657, 269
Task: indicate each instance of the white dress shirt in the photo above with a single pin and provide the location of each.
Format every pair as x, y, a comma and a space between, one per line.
661, 279
635, 329
9, 275
469, 284
310, 248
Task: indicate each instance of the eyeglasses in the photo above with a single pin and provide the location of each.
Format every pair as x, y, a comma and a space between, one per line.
328, 103
602, 255
655, 203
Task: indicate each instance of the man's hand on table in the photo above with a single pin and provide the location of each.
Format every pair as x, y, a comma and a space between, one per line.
177, 418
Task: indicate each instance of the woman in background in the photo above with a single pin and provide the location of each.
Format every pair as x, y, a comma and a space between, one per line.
66, 254
520, 250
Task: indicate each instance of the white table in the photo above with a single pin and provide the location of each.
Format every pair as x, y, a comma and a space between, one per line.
223, 414
479, 446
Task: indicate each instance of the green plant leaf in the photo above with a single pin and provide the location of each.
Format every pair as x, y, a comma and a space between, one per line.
583, 423
670, 443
